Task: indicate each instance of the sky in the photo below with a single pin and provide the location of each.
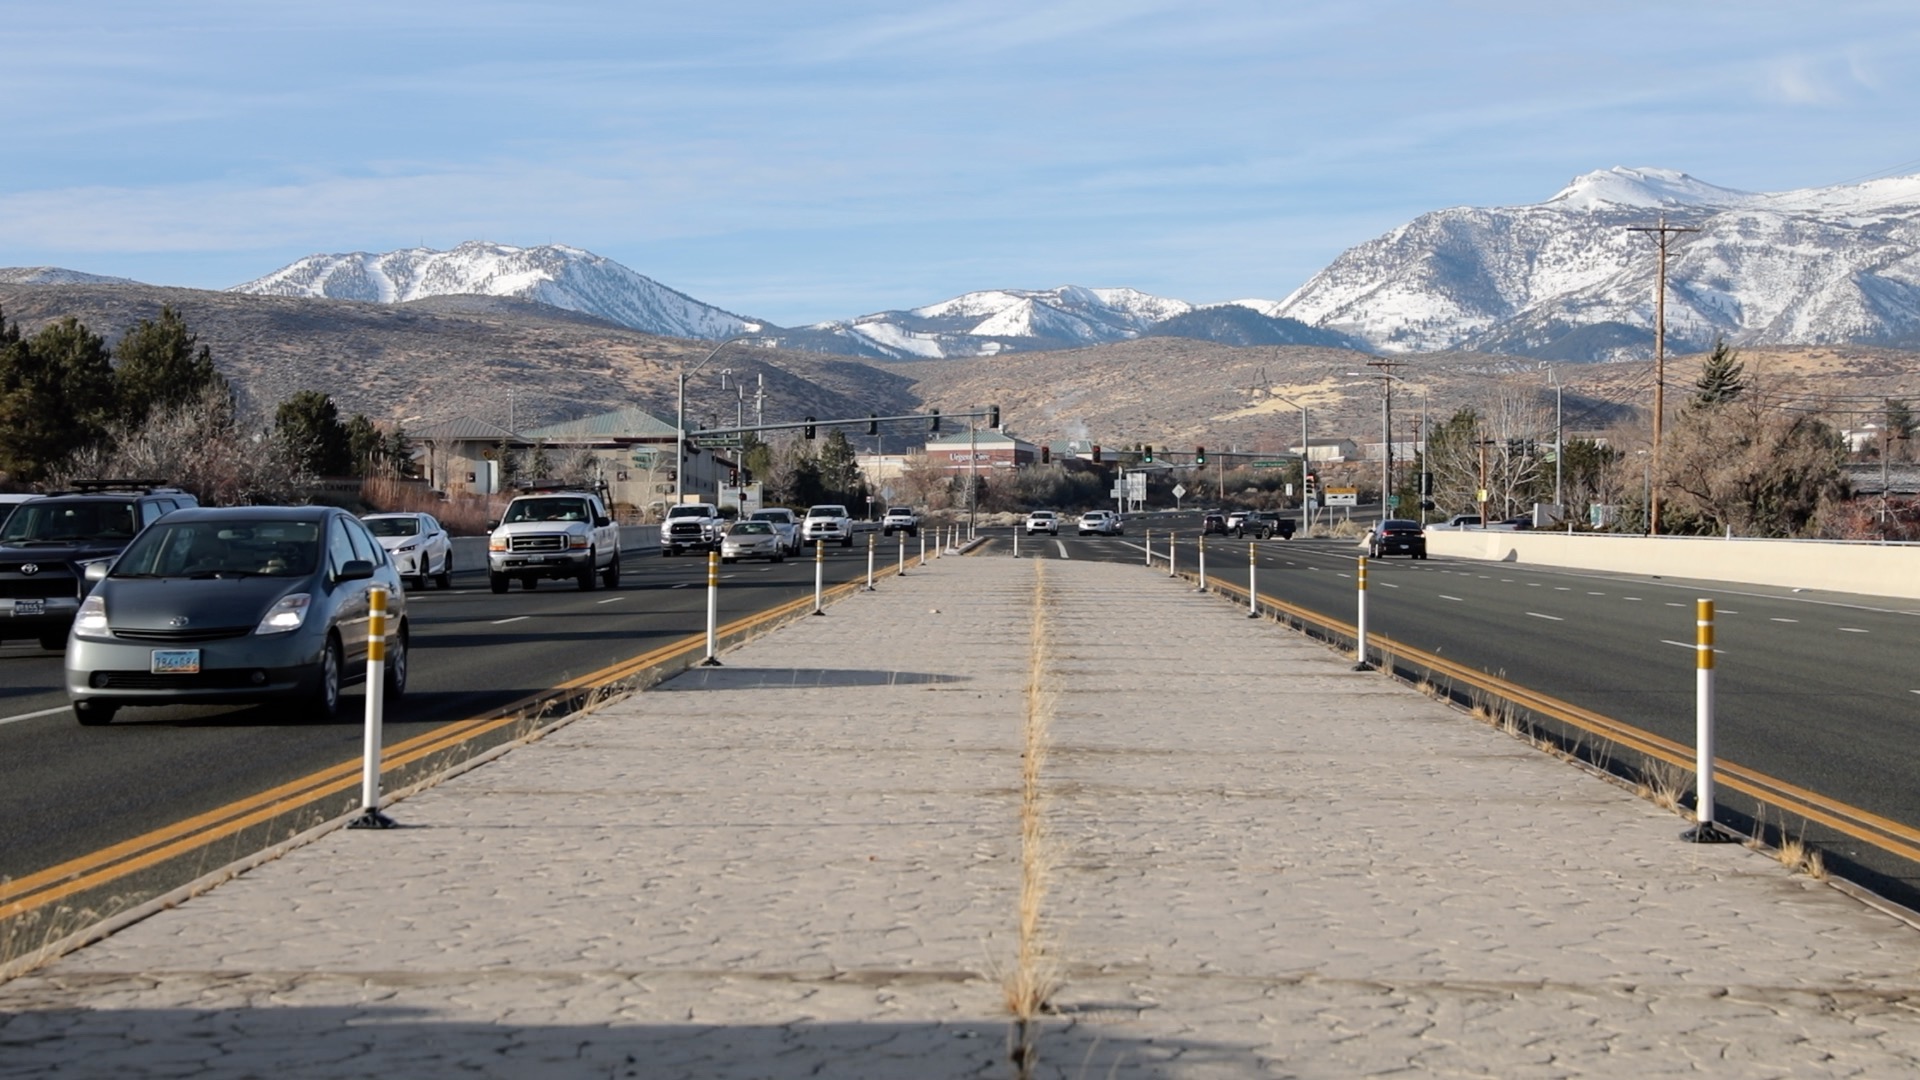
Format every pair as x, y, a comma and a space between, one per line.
798, 162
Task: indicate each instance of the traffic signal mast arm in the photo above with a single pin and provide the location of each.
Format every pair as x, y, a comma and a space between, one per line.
989, 413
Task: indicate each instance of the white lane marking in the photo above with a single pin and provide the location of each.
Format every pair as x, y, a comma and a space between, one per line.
1533, 584
63, 708
1689, 645
1853, 630
1629, 598
1724, 611
516, 618
1388, 585
684, 585
1672, 604
1596, 594
1778, 619
1506, 580
1062, 545
1537, 615
1561, 588
1455, 599
610, 600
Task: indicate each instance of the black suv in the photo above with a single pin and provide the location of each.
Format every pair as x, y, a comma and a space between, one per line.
47, 543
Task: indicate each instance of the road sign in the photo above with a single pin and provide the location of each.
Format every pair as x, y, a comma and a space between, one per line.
1265, 464
1179, 491
1393, 502
1343, 496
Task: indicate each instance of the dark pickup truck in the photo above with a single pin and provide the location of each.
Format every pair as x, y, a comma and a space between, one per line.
1265, 525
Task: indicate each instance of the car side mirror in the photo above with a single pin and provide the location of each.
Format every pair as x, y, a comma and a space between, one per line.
602, 522
96, 572
356, 570
492, 525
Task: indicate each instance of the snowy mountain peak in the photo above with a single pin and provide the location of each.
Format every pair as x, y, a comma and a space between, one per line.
554, 274
1655, 189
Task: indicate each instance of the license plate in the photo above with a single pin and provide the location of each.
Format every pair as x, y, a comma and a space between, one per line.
176, 661
30, 607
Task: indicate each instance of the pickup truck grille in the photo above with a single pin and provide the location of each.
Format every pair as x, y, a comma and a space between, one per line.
685, 528
537, 542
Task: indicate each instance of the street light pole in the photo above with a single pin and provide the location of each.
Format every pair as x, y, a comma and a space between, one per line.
680, 418
1306, 511
1559, 438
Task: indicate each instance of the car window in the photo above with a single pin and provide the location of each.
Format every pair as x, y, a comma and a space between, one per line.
758, 527
155, 509
339, 548
364, 545
216, 548
556, 509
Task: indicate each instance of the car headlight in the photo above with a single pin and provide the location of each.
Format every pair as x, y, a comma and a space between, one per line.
92, 618
496, 542
578, 542
289, 614
404, 548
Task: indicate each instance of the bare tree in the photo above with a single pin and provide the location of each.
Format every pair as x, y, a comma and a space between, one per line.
204, 445
1752, 465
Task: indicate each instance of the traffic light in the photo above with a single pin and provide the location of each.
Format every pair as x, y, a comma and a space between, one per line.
873, 424
1312, 488
733, 476
1148, 457
993, 416
810, 427
1199, 455
1096, 453
1046, 455
1426, 484
935, 426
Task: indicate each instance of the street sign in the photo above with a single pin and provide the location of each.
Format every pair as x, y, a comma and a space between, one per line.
1179, 491
1393, 502
1265, 464
1342, 496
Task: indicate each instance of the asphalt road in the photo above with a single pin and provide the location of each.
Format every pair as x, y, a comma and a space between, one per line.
66, 790
1820, 689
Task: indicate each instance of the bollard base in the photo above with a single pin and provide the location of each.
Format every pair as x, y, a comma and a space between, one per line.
711, 661
1709, 833
373, 819
1363, 666
1253, 614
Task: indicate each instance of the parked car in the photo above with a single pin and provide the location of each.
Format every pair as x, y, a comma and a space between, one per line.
826, 523
752, 540
47, 544
1101, 523
1397, 536
785, 522
1045, 521
1267, 524
235, 604
419, 547
1213, 522
900, 519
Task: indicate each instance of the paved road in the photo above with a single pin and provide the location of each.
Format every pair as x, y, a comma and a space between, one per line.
824, 877
67, 790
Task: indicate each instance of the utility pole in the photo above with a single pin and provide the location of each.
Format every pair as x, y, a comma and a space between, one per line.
1659, 356
1387, 377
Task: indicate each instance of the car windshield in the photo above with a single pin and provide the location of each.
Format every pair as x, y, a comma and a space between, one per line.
1041, 514
227, 548
767, 515
899, 511
547, 510
827, 511
393, 526
751, 528
57, 522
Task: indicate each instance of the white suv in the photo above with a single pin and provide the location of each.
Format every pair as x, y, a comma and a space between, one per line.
1043, 521
827, 522
1100, 523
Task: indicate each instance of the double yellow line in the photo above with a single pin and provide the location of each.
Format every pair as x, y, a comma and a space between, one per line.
99, 869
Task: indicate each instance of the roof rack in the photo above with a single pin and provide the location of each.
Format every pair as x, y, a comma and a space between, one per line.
95, 487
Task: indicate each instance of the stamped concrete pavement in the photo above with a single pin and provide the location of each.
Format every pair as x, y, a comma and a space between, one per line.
808, 862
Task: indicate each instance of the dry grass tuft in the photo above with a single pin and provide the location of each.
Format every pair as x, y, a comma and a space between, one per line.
1665, 784
1029, 986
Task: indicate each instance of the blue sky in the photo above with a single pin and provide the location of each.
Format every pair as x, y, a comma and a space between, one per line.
799, 162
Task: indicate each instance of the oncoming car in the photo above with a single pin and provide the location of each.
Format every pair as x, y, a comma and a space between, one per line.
1043, 521
231, 605
752, 540
417, 544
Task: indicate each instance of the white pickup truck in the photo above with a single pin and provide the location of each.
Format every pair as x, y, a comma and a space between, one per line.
827, 523
690, 527
554, 534
900, 519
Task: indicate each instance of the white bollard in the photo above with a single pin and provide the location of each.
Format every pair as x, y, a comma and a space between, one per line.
1016, 541
1360, 637
869, 587
370, 815
1171, 538
713, 610
1202, 587
1253, 584
1149, 543
923, 547
901, 570
819, 574
1704, 830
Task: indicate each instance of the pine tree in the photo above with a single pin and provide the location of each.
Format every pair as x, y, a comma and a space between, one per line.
1722, 379
56, 396
157, 365
309, 424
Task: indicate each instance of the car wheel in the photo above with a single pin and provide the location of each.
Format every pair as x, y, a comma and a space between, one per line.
444, 579
728, 560
53, 642
586, 578
610, 577
846, 541
496, 582
779, 558
417, 584
529, 583
94, 713
396, 678
325, 702
666, 552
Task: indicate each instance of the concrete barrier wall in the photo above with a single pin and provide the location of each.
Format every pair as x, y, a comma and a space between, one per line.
1872, 569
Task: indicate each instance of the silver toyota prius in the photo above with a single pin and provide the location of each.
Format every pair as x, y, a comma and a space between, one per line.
232, 605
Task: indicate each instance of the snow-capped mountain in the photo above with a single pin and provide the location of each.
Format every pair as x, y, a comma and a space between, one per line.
989, 322
553, 274
1569, 279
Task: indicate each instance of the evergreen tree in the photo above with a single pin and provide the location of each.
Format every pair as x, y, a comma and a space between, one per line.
1722, 379
56, 396
158, 365
309, 424
840, 468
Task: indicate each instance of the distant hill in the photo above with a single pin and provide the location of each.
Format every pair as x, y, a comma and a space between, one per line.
1233, 324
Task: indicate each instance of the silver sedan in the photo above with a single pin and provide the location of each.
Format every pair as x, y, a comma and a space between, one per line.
752, 540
